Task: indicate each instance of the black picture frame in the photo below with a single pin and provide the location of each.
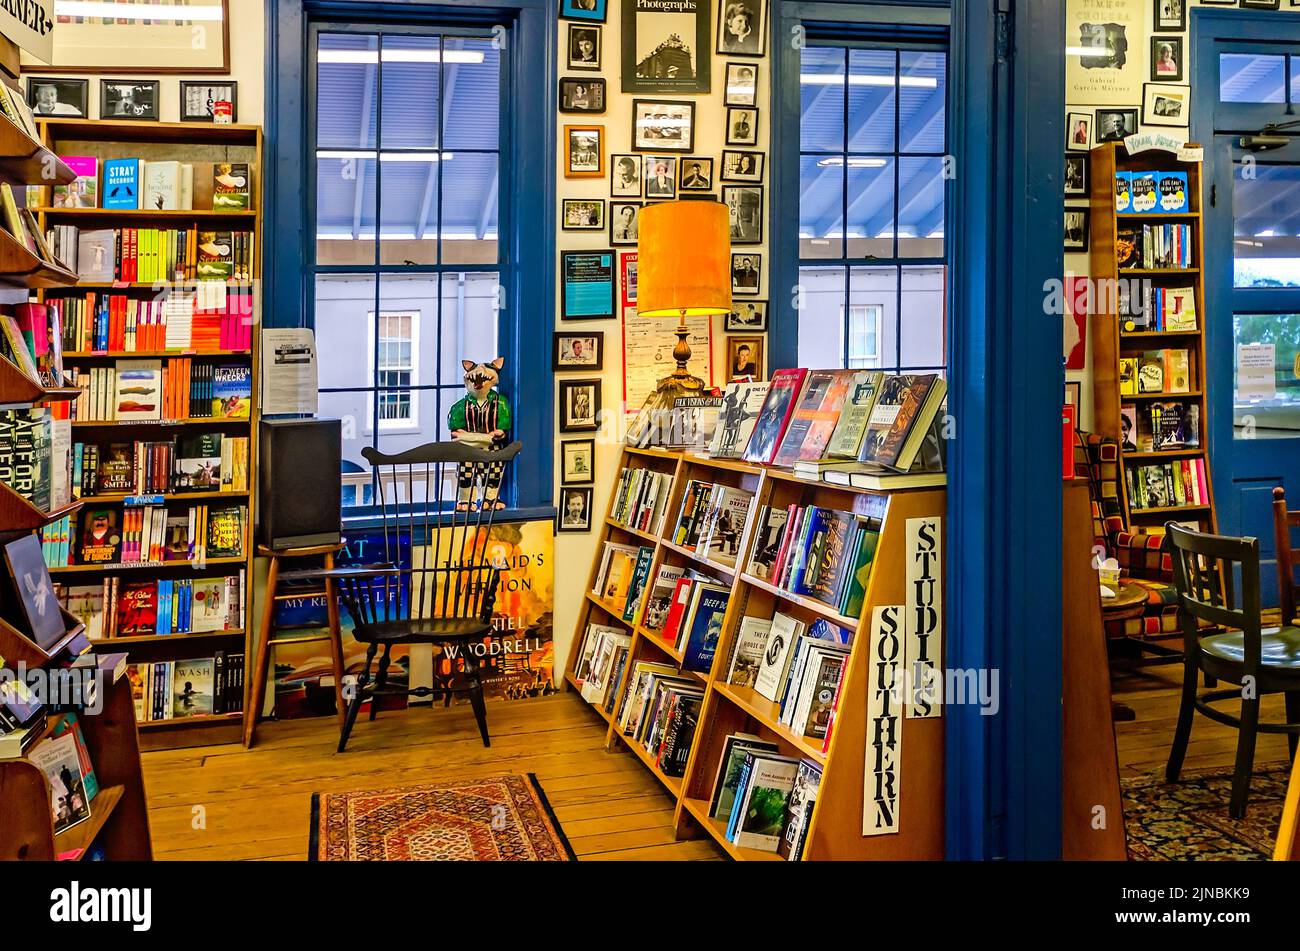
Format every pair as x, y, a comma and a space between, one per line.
569, 391
742, 201
1178, 49
656, 187
1260, 4
644, 139
734, 114
587, 282
754, 41
559, 364
676, 59
744, 288
576, 33
594, 96
1075, 246
738, 322
112, 100
733, 95
68, 91
562, 522
566, 224
1163, 22
207, 116
1156, 113
570, 476
1075, 179
684, 173
598, 13
616, 237
1130, 124
731, 159
618, 186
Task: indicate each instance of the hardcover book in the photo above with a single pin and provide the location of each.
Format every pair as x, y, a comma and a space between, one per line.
781, 639
138, 394
122, 183
846, 440
226, 532
192, 688
734, 748
815, 415
742, 401
751, 642
901, 419
38, 609
230, 189
162, 186
95, 255
761, 815
137, 609
216, 256
775, 415
82, 193
706, 627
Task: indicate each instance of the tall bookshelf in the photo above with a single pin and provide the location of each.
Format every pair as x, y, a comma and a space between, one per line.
1110, 342
201, 144
835, 831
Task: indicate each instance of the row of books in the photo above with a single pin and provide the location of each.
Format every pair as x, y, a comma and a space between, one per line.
115, 323
1157, 308
148, 255
152, 390
31, 443
126, 608
152, 534
660, 711
200, 686
1174, 484
1156, 371
1155, 192
712, 519
29, 339
640, 498
203, 462
620, 579
765, 799
817, 552
1154, 246
1160, 426
167, 185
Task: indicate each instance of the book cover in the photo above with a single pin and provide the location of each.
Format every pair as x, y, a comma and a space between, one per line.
230, 186
725, 783
1128, 427
71, 725
232, 391
116, 470
101, 539
798, 810
192, 688
778, 406
661, 596
82, 193
162, 186
846, 439
742, 401
777, 653
1180, 308
86, 604
57, 758
137, 609
39, 613
122, 183
815, 415
706, 627
198, 463
762, 815
907, 403
216, 258
751, 642
226, 532
768, 543
138, 393
1178, 372
855, 592
827, 557
1151, 372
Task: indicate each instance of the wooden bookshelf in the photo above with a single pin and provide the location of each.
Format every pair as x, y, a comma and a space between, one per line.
836, 824
1110, 342
201, 144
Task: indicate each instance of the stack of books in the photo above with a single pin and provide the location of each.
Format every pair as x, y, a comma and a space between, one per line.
817, 552
660, 711
640, 497
175, 689
1153, 247
1174, 484
601, 662
114, 323
765, 799
621, 580
157, 606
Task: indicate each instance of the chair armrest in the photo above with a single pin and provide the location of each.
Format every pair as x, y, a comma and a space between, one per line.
359, 573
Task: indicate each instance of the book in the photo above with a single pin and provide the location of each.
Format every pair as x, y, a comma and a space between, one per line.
57, 758
1151, 372
216, 256
751, 642
846, 439
138, 391
771, 527
225, 532
860, 576
661, 597
727, 778
69, 724
1179, 308
137, 609
759, 817
781, 639
778, 406
192, 688
704, 626
33, 592
198, 463
101, 537
122, 183
814, 418
1177, 371
232, 391
95, 254
798, 810
742, 401
1128, 385
826, 563
901, 419
162, 186
84, 191
230, 186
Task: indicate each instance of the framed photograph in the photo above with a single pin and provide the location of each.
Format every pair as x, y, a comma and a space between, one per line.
1114, 124
1078, 131
1259, 4
132, 43
584, 151
574, 513
1166, 59
624, 217
744, 212
578, 460
659, 126
747, 316
661, 176
746, 273
578, 94
59, 97
742, 27
579, 405
584, 351
1076, 176
1073, 393
625, 176
584, 47
1076, 229
742, 126
666, 46
742, 84
582, 214
592, 10
740, 166
586, 285
695, 174
1170, 16
128, 99
198, 99
744, 358
1166, 105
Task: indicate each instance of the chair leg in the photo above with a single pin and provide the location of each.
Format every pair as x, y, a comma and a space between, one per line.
476, 701
1245, 758
354, 705
1183, 731
381, 679
1293, 718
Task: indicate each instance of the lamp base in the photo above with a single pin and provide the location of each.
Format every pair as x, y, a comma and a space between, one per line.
667, 391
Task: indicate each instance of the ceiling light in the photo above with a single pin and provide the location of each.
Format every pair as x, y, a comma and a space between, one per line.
398, 56
369, 154
837, 79
837, 161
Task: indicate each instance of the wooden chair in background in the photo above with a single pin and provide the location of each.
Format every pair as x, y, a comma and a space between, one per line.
1287, 555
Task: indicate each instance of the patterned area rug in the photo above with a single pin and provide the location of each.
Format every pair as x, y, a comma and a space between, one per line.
1189, 819
496, 819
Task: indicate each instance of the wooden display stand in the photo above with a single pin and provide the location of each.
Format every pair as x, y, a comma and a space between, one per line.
1288, 833
835, 831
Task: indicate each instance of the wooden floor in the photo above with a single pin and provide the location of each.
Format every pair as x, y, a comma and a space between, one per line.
255, 804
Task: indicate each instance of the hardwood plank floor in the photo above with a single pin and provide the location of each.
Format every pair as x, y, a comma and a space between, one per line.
225, 802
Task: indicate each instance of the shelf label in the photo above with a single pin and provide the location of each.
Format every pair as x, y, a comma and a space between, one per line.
31, 26
884, 755
924, 619
144, 500
1158, 141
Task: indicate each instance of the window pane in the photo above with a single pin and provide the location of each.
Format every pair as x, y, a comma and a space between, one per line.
821, 95
345, 210
353, 409
876, 289
821, 206
409, 208
472, 89
864, 327
922, 327
921, 93
1266, 400
1266, 227
469, 323
411, 91
347, 72
1248, 77
872, 100
430, 408
470, 183
871, 207
408, 309
821, 320
920, 207
344, 303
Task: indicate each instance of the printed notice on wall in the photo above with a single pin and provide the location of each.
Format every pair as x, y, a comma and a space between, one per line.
288, 371
1256, 379
924, 617
884, 754
648, 354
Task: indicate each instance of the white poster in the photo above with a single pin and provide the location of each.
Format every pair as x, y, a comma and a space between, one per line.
1256, 379
884, 754
648, 354
288, 371
1105, 56
924, 617
30, 24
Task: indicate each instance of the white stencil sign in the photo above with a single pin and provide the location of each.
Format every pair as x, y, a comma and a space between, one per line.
924, 617
884, 759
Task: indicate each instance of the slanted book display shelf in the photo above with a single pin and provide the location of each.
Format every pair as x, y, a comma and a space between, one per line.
835, 828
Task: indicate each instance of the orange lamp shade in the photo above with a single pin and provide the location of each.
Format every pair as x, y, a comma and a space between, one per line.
683, 259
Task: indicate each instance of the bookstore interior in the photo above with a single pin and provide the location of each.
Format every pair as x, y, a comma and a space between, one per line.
653, 455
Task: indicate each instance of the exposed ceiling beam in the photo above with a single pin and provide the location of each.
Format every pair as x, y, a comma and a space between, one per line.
448, 91
490, 202
1267, 195
915, 191
363, 141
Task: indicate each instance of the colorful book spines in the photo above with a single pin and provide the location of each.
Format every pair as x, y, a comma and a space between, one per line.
116, 323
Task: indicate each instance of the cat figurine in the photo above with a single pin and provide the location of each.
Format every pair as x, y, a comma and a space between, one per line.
482, 418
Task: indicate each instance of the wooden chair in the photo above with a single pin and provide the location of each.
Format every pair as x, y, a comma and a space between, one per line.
1261, 662
447, 593
1287, 556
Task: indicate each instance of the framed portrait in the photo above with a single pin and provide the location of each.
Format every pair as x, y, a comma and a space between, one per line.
586, 285
742, 27
582, 214
661, 177
742, 126
52, 96
584, 46
128, 99
1169, 16
584, 351
579, 405
1114, 124
695, 173
666, 46
744, 212
584, 151
1166, 105
738, 166
1076, 229
625, 176
1259, 4
747, 316
1078, 131
1166, 59
578, 94
624, 218
133, 43
591, 10
746, 273
1076, 175
578, 460
659, 126
742, 84
1107, 41
574, 514
744, 358
198, 99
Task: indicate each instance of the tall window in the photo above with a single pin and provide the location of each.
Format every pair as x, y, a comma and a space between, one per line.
871, 207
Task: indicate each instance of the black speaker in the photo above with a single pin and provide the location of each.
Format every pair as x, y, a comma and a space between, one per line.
299, 490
